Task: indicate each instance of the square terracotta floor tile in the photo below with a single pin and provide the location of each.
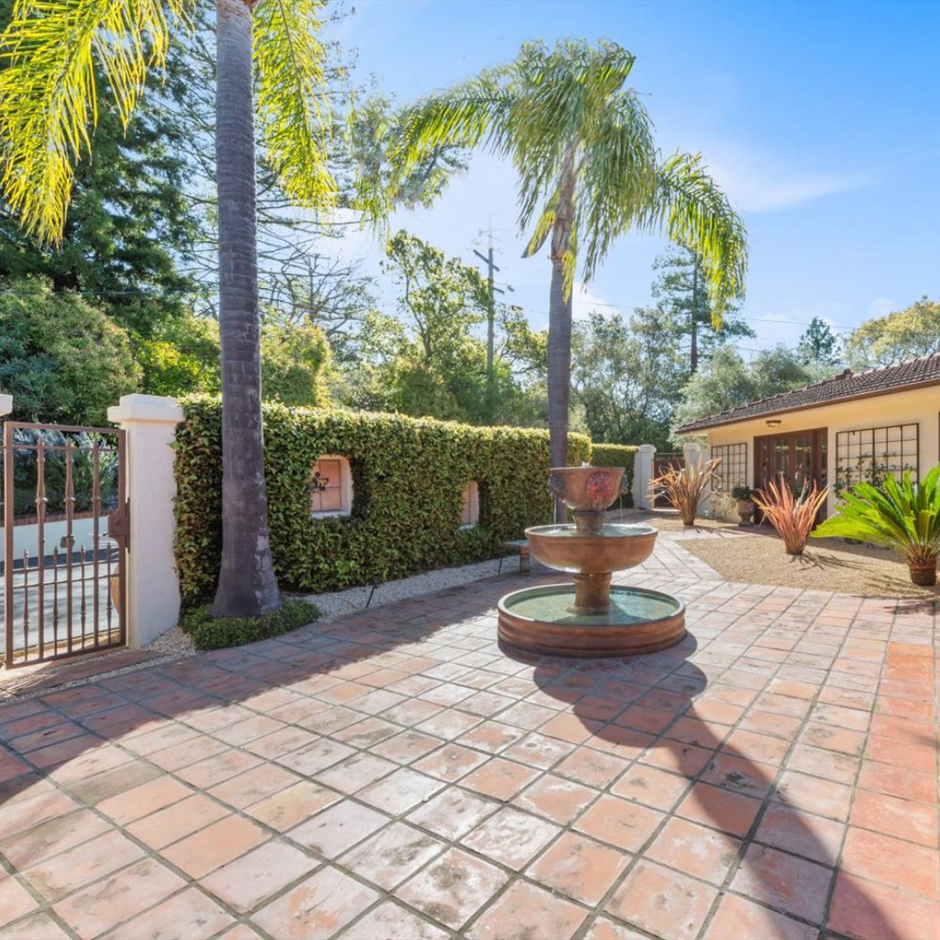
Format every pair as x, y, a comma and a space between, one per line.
662, 902
17, 816
526, 911
741, 919
406, 747
254, 785
400, 791
694, 850
720, 809
36, 926
555, 798
752, 745
334, 830
187, 914
51, 837
215, 769
316, 909
814, 795
61, 874
864, 909
898, 781
282, 742
492, 737
453, 813
392, 855
100, 787
527, 715
450, 763
790, 884
651, 720
453, 888
289, 807
651, 786
891, 862
356, 772
499, 778
392, 920
15, 900
591, 767
449, 724
915, 822
570, 728
814, 837
817, 761
249, 881
537, 750
96, 909
511, 838
367, 733
739, 774
143, 800
177, 821
579, 867
214, 846
619, 822
314, 758
677, 757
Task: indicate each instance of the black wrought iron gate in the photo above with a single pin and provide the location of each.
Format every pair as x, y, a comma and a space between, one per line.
65, 536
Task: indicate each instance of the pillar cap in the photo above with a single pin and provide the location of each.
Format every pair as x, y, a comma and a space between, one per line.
646, 448
154, 408
6, 404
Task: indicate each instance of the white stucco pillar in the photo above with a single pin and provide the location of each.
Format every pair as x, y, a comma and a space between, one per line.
153, 597
643, 469
6, 405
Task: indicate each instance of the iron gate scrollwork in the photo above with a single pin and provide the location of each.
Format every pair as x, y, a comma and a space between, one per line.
66, 533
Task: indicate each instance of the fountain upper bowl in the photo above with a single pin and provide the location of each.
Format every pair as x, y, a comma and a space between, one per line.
614, 548
586, 489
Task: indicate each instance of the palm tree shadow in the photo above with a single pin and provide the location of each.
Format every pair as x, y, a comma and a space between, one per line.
729, 769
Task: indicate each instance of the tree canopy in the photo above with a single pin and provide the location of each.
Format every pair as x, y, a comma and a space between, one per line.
904, 334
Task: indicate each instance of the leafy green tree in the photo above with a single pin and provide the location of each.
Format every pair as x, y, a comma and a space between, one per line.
181, 357
581, 143
819, 345
62, 359
904, 334
268, 58
726, 381
683, 300
294, 358
130, 223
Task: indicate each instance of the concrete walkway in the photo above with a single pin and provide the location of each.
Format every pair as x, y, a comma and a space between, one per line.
397, 774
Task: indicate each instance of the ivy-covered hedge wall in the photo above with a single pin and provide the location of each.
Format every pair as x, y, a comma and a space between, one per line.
408, 479
614, 455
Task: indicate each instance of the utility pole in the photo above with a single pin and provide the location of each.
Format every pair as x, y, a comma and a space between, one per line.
492, 291
695, 315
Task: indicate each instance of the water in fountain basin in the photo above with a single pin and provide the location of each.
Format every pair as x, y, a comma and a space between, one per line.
627, 606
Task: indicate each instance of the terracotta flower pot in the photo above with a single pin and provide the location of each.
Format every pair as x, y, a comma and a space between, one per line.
923, 575
746, 512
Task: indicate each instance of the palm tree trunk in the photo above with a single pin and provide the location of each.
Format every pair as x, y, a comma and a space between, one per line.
559, 373
559, 326
247, 584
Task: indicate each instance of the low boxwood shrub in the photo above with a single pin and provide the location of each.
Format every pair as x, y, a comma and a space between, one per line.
212, 633
408, 478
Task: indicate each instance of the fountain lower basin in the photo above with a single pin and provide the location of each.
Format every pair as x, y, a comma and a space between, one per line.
541, 620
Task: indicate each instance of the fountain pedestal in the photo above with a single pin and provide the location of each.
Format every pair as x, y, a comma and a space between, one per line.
590, 617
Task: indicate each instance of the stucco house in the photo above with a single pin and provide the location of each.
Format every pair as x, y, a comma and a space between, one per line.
855, 426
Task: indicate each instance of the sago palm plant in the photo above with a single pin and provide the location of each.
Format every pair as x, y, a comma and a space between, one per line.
269, 64
684, 487
792, 516
582, 146
904, 517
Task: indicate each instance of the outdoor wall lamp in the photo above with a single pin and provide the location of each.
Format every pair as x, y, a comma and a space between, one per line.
774, 422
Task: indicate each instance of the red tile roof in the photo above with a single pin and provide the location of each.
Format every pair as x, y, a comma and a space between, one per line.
914, 373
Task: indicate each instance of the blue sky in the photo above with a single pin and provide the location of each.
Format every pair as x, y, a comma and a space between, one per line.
819, 119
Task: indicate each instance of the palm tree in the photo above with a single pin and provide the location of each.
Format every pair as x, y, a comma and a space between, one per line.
581, 143
56, 52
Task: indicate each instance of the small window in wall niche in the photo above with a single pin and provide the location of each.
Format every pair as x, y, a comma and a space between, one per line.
331, 492
471, 505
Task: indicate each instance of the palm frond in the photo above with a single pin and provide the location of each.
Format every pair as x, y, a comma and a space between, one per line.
294, 115
693, 210
48, 91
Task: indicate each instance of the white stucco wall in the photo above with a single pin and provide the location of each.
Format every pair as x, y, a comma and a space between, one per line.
913, 406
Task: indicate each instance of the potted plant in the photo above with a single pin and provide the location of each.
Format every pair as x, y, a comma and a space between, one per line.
742, 496
901, 516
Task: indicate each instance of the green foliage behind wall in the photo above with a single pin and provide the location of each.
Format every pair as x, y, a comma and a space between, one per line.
614, 455
408, 478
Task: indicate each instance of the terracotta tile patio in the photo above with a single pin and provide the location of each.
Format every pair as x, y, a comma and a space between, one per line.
397, 774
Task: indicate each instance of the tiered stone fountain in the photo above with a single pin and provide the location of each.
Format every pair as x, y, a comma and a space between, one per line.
590, 617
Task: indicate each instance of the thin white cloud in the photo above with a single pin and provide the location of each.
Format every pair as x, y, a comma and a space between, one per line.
585, 301
760, 182
881, 307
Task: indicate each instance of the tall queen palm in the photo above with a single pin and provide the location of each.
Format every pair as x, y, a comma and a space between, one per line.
48, 107
581, 143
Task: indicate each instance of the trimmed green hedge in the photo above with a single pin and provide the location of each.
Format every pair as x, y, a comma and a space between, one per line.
614, 455
408, 479
215, 633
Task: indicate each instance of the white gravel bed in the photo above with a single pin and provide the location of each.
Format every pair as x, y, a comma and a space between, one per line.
174, 641
336, 604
